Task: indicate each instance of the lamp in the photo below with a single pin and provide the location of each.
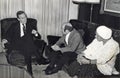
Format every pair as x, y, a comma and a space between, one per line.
92, 2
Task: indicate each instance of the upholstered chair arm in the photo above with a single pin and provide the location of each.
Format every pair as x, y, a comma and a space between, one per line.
4, 41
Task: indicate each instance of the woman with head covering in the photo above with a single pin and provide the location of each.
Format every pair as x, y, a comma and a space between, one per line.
103, 49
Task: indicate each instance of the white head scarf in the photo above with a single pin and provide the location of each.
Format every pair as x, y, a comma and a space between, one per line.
104, 32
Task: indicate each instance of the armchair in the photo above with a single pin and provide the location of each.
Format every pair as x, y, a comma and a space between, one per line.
15, 58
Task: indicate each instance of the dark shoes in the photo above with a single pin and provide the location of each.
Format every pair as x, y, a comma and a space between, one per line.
48, 69
30, 73
51, 70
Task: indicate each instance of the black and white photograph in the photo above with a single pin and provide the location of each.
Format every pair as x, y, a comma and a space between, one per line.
59, 38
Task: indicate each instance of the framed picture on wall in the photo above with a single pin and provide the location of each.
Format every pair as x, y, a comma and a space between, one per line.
111, 7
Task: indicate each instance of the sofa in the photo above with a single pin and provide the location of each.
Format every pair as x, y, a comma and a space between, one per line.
88, 33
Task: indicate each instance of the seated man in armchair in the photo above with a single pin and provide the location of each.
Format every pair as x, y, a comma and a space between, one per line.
102, 51
19, 38
58, 56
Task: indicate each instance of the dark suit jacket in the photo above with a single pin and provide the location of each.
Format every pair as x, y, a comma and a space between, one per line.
75, 42
25, 44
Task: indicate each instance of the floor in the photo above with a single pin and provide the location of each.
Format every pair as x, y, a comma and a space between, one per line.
8, 71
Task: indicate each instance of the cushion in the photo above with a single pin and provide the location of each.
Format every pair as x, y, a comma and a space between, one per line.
87, 27
116, 35
15, 58
52, 39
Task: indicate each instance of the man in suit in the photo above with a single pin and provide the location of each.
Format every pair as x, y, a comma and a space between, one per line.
58, 56
20, 37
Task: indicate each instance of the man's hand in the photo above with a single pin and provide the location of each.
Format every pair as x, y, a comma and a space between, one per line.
4, 41
82, 60
55, 47
35, 32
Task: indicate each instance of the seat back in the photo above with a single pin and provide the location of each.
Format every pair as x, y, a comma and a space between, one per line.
87, 27
90, 28
116, 35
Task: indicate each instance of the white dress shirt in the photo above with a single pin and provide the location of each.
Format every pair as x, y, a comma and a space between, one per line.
21, 30
67, 37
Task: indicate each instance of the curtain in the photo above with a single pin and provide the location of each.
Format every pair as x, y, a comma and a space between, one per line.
8, 8
50, 14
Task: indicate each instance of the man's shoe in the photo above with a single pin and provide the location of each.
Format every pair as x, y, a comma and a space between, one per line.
49, 68
54, 70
